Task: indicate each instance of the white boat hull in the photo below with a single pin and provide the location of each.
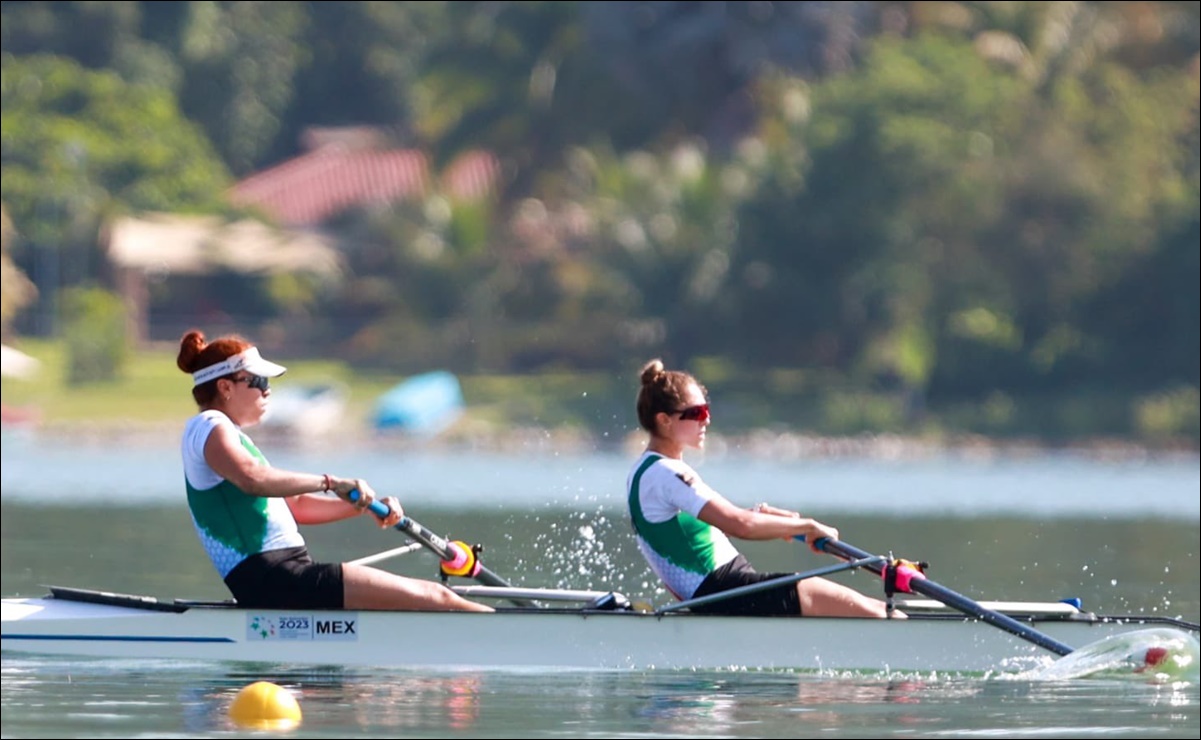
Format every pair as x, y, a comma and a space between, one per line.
544, 638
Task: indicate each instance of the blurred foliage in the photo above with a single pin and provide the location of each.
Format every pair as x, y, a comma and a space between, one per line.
94, 331
16, 290
938, 214
1169, 415
87, 141
80, 146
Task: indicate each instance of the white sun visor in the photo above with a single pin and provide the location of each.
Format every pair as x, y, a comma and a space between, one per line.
249, 360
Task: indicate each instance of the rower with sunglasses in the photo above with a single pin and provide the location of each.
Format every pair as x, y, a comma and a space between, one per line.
683, 526
246, 512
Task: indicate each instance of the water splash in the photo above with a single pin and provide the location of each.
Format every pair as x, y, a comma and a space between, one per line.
1159, 655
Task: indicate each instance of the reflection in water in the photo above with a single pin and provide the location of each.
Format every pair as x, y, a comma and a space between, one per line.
689, 704
821, 703
840, 706
51, 697
402, 701
685, 705
410, 701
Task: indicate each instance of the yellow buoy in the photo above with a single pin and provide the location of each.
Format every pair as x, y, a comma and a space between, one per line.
265, 706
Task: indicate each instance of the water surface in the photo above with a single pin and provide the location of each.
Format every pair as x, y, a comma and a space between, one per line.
1122, 536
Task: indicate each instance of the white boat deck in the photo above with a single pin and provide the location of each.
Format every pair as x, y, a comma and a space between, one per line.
603, 634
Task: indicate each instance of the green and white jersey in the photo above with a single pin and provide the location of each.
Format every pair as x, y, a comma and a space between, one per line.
231, 523
665, 497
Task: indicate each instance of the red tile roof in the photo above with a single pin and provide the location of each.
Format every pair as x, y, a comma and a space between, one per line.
471, 176
317, 185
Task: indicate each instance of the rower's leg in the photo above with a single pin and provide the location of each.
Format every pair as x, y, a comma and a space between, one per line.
364, 587
821, 597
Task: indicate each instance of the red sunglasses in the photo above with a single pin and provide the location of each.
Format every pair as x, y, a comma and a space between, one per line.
695, 413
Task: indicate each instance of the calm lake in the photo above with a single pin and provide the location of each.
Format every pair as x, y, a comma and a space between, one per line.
1122, 535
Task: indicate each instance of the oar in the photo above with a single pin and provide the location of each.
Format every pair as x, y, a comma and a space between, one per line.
767, 585
449, 552
386, 554
922, 585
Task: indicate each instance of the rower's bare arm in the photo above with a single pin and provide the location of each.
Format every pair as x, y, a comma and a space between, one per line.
224, 453
754, 525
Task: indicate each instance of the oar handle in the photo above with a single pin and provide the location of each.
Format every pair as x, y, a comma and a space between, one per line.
377, 507
819, 544
442, 547
439, 545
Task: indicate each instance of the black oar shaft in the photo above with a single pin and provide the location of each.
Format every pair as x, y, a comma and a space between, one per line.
926, 587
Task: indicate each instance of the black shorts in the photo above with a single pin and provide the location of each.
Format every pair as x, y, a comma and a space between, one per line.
772, 602
286, 579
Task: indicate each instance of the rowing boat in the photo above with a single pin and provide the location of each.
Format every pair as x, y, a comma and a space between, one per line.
562, 629
554, 628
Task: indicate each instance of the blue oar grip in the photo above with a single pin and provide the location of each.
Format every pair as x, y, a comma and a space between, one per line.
379, 508
820, 544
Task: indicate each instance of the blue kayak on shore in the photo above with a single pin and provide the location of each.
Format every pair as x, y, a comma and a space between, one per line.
424, 404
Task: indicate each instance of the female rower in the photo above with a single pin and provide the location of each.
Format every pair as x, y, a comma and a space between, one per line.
246, 512
682, 524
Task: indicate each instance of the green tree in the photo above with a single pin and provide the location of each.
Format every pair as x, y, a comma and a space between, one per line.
78, 146
137, 40
16, 291
943, 195
94, 333
240, 62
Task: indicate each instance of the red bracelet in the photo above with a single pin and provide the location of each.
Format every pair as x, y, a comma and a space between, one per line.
329, 483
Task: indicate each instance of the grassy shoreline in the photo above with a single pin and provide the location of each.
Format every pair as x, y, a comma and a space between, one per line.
565, 411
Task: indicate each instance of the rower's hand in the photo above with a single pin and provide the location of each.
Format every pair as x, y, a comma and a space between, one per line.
766, 508
355, 492
815, 532
395, 512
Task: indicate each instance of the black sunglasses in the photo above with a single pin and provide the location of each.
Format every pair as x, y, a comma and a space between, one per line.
261, 382
695, 413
